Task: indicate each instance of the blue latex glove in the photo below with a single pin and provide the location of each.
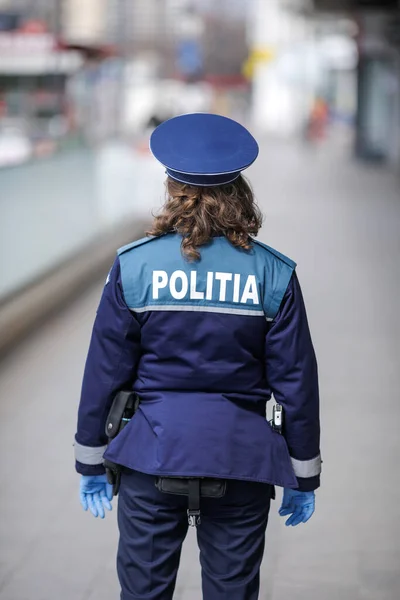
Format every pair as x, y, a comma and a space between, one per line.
95, 494
300, 505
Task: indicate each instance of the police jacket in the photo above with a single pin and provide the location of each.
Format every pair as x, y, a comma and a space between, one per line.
204, 345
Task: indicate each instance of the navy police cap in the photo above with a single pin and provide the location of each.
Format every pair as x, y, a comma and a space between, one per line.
203, 149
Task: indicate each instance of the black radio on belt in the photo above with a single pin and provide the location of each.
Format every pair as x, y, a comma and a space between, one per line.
122, 410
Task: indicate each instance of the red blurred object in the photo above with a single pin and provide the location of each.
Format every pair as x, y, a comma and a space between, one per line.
318, 121
234, 81
3, 107
227, 81
33, 27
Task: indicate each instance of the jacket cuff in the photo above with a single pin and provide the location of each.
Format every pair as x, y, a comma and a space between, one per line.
89, 459
307, 473
83, 469
307, 468
89, 455
308, 484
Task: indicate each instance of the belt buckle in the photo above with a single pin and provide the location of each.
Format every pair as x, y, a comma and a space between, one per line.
194, 518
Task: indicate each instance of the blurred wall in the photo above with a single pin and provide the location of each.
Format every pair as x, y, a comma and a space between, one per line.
378, 131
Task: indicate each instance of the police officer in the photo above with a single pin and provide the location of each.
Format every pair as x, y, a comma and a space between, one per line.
204, 323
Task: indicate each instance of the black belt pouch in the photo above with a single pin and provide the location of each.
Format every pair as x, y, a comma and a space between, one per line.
209, 488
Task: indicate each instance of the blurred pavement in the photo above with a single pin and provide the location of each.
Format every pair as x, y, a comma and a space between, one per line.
341, 223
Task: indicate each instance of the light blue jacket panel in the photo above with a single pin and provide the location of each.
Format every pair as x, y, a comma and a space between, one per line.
155, 276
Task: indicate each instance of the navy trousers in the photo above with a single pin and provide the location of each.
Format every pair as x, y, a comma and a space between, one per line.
153, 526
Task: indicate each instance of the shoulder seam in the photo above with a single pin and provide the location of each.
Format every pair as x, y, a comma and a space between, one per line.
135, 244
285, 259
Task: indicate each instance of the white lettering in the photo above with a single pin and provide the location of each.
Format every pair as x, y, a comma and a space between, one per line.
172, 285
194, 294
236, 288
182, 285
209, 289
250, 291
223, 278
160, 280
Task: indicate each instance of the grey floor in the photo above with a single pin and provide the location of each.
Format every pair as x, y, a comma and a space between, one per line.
341, 223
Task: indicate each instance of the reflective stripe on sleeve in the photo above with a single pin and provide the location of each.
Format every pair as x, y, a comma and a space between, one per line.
307, 468
88, 455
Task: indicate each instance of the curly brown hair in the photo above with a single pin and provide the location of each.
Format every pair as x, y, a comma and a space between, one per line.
201, 213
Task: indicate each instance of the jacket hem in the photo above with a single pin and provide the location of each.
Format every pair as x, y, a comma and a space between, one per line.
235, 476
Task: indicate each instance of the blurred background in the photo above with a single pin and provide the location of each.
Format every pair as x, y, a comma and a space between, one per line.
82, 85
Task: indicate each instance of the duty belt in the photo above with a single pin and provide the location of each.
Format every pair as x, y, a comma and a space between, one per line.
194, 488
